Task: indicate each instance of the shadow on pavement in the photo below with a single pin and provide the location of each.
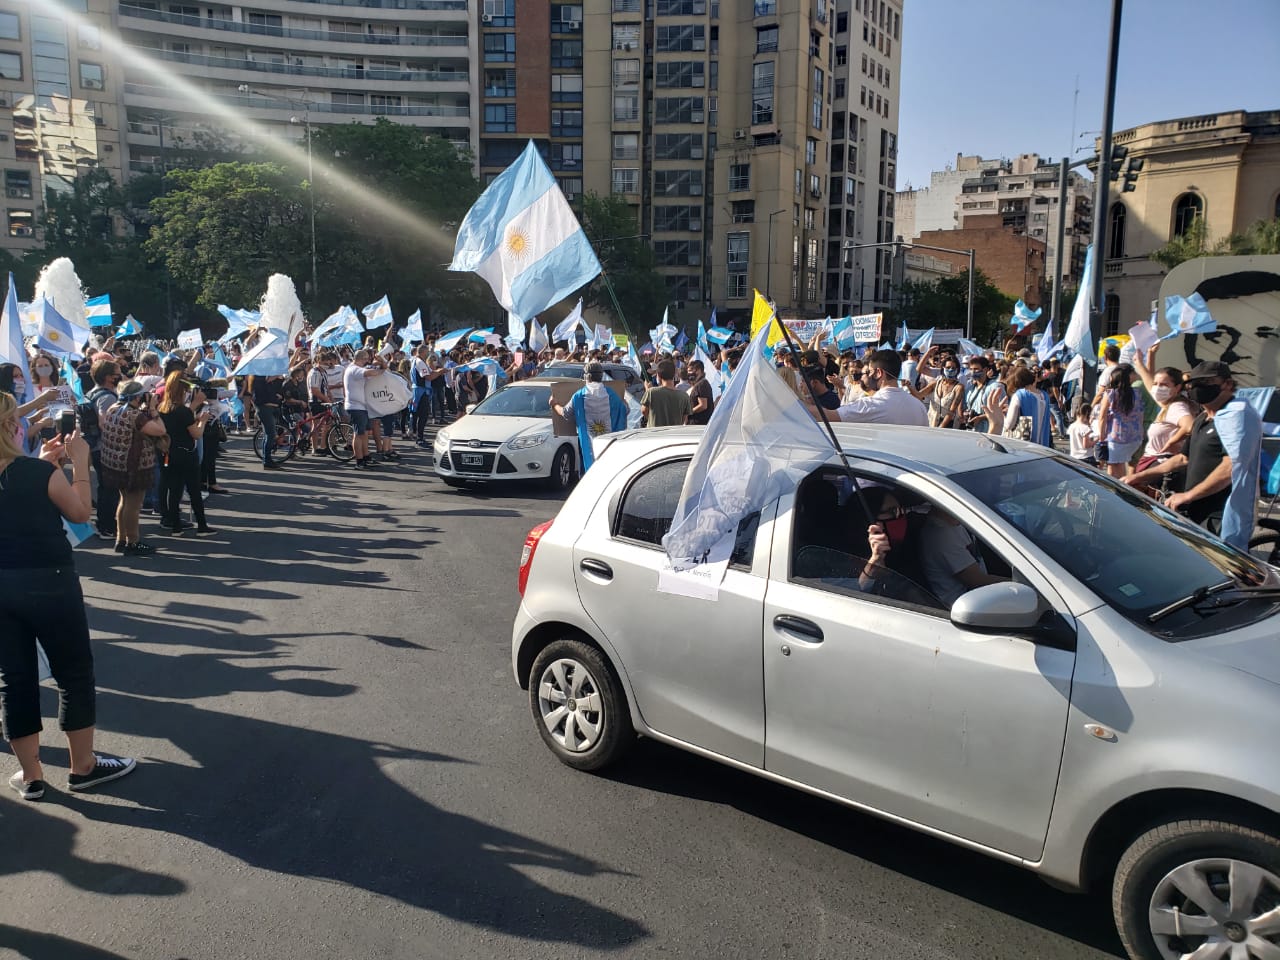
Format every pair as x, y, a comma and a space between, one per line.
33, 945
963, 873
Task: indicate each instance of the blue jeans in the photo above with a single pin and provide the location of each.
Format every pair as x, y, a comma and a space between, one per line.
268, 417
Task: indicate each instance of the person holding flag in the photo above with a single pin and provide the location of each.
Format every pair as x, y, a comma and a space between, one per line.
595, 410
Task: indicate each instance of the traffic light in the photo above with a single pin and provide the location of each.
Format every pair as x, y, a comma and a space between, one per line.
1117, 160
1131, 175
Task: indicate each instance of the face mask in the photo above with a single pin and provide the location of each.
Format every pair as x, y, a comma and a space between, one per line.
1162, 394
44, 371
19, 387
951, 373
1206, 393
895, 529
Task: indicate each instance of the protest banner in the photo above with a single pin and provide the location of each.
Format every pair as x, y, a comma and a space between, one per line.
866, 327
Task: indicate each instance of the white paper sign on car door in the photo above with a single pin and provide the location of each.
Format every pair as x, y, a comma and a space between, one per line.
698, 577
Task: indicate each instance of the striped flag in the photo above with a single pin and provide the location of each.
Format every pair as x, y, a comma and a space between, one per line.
97, 310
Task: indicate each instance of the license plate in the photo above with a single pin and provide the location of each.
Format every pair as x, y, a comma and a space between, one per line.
471, 459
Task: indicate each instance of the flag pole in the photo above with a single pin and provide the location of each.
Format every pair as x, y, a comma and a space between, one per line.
831, 434
631, 336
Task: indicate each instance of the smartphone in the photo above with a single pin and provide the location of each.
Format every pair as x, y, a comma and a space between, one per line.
47, 433
67, 422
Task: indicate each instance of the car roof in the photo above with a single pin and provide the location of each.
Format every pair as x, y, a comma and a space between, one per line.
918, 449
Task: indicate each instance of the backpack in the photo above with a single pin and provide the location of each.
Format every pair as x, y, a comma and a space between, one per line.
87, 416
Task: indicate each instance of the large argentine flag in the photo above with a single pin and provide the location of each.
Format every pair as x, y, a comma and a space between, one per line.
522, 237
97, 310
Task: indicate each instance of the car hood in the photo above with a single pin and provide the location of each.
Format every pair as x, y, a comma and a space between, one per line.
495, 429
1254, 649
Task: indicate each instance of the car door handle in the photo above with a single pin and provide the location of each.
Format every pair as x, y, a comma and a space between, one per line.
597, 568
806, 628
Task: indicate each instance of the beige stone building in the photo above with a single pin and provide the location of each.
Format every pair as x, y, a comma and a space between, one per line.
1224, 168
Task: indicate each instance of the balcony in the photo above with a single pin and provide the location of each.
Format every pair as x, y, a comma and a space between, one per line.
766, 8
458, 6
256, 102
266, 30
295, 70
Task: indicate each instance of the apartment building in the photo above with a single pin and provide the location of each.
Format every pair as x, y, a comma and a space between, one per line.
532, 86
713, 120
1022, 192
59, 108
867, 57
283, 64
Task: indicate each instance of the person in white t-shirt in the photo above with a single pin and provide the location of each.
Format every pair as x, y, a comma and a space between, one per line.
1080, 436
887, 403
363, 365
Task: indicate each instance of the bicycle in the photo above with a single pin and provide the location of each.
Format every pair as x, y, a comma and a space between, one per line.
293, 435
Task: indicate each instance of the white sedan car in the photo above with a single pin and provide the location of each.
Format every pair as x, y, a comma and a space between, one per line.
507, 436
1048, 667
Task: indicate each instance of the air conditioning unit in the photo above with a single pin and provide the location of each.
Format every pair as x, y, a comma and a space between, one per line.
4, 138
575, 24
4, 101
740, 134
695, 189
100, 121
695, 226
486, 18
108, 148
14, 193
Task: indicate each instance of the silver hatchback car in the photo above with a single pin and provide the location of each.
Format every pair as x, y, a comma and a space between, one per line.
1047, 667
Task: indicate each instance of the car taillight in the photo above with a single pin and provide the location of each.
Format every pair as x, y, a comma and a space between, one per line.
526, 555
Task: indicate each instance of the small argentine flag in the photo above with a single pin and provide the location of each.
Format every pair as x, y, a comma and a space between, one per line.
97, 310
377, 314
522, 237
129, 328
56, 334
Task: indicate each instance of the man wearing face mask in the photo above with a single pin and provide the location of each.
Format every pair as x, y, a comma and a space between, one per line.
887, 403
1221, 458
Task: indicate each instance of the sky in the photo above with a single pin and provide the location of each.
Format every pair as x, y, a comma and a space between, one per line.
998, 77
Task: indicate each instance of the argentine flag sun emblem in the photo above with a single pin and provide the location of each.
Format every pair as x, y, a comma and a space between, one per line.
518, 244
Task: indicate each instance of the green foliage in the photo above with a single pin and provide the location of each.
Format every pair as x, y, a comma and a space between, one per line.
223, 230
943, 303
627, 259
1261, 239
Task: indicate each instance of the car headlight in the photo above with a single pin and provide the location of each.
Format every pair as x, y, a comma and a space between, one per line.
442, 439
525, 442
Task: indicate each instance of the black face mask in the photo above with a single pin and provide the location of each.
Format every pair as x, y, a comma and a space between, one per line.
1205, 393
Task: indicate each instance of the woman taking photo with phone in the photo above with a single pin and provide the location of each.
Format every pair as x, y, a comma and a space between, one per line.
128, 453
181, 469
40, 600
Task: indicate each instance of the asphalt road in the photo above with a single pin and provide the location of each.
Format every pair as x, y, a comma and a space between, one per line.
336, 763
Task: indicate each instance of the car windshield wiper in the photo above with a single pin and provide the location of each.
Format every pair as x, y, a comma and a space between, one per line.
1198, 596
1238, 595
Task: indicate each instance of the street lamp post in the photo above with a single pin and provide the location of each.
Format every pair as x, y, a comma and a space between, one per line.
768, 263
896, 244
311, 180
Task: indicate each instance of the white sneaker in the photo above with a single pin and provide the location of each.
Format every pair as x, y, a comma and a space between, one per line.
27, 791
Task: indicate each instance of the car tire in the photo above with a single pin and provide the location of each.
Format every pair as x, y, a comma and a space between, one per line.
1173, 887
563, 469
578, 705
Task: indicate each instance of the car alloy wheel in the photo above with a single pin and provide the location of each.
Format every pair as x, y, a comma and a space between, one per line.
1217, 908
578, 705
561, 476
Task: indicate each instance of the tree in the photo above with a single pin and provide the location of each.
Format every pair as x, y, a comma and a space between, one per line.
628, 261
944, 303
222, 231
1261, 239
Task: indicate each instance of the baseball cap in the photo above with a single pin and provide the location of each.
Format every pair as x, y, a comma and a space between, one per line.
130, 389
1210, 370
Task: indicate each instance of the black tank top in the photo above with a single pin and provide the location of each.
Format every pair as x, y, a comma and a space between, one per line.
31, 531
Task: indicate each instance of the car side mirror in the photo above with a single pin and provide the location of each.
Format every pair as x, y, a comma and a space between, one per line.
998, 608
469, 408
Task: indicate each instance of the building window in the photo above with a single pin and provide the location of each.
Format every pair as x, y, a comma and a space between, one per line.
1186, 210
738, 251
815, 185
682, 8
626, 36
9, 28
678, 253
391, 103
1278, 207
762, 92
799, 187
566, 155
1111, 316
683, 288
677, 219
92, 77
10, 67
1116, 240
626, 107
566, 123
811, 151
626, 146
499, 48
680, 73
766, 39
841, 86
626, 180
571, 187
566, 87
499, 83
626, 6
566, 53
766, 8
680, 38
500, 118
21, 223
679, 110
743, 211
626, 74
348, 99
677, 183
736, 286
842, 23
677, 146
739, 177
17, 184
